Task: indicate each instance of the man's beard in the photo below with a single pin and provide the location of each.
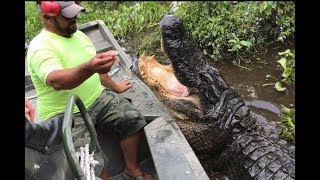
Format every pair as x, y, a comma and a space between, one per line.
68, 31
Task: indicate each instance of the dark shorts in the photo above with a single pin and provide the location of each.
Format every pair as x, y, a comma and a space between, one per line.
116, 112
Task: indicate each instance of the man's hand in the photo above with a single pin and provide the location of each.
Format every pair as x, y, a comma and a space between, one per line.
29, 110
101, 63
123, 86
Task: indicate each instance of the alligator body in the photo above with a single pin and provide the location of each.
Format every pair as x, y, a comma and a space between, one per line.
223, 132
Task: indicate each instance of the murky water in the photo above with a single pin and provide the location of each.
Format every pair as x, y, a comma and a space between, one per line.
250, 85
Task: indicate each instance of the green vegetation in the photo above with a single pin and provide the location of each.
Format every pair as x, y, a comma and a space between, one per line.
32, 20
224, 28
122, 18
287, 64
288, 118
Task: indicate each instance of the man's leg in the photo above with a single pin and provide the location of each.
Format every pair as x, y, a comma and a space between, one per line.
129, 148
126, 121
104, 175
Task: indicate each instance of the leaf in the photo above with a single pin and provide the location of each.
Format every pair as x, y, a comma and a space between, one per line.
235, 37
283, 62
280, 39
292, 55
288, 72
235, 47
263, 6
214, 33
284, 118
273, 5
284, 52
289, 123
285, 110
268, 11
292, 113
280, 11
279, 86
233, 41
205, 52
288, 134
246, 43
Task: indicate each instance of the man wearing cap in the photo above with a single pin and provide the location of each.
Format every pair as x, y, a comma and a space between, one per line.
62, 61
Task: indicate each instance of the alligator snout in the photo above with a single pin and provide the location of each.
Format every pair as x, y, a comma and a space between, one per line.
171, 26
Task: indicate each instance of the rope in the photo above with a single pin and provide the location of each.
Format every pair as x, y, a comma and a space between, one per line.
87, 162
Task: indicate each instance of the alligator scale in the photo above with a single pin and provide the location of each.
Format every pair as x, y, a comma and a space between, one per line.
223, 132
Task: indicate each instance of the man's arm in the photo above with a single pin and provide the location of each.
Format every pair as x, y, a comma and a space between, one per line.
107, 81
73, 77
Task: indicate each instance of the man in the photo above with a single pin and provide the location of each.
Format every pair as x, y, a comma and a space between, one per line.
62, 61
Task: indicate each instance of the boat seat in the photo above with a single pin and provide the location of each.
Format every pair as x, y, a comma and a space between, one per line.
172, 154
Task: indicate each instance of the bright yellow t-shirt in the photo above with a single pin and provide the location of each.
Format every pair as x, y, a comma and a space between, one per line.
48, 52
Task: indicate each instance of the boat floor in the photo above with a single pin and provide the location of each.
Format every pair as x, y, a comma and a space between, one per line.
109, 143
147, 167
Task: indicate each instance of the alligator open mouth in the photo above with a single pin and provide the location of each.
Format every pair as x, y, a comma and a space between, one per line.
178, 97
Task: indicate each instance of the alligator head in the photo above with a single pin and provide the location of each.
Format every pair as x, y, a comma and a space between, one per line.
218, 101
193, 90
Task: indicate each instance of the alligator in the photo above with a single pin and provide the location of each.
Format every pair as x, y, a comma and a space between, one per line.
224, 133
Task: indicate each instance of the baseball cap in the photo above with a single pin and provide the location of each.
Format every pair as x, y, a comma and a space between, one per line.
69, 9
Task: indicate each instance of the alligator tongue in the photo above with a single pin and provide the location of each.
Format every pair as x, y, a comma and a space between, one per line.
169, 82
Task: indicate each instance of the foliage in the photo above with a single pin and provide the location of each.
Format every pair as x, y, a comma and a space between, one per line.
134, 19
32, 20
214, 25
279, 18
288, 118
237, 45
121, 17
287, 64
150, 45
224, 29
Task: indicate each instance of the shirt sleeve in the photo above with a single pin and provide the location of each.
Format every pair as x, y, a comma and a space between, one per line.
45, 61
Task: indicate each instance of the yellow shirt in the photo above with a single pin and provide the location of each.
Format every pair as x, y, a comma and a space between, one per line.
48, 52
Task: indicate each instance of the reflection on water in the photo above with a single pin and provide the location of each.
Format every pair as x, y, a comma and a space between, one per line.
264, 105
